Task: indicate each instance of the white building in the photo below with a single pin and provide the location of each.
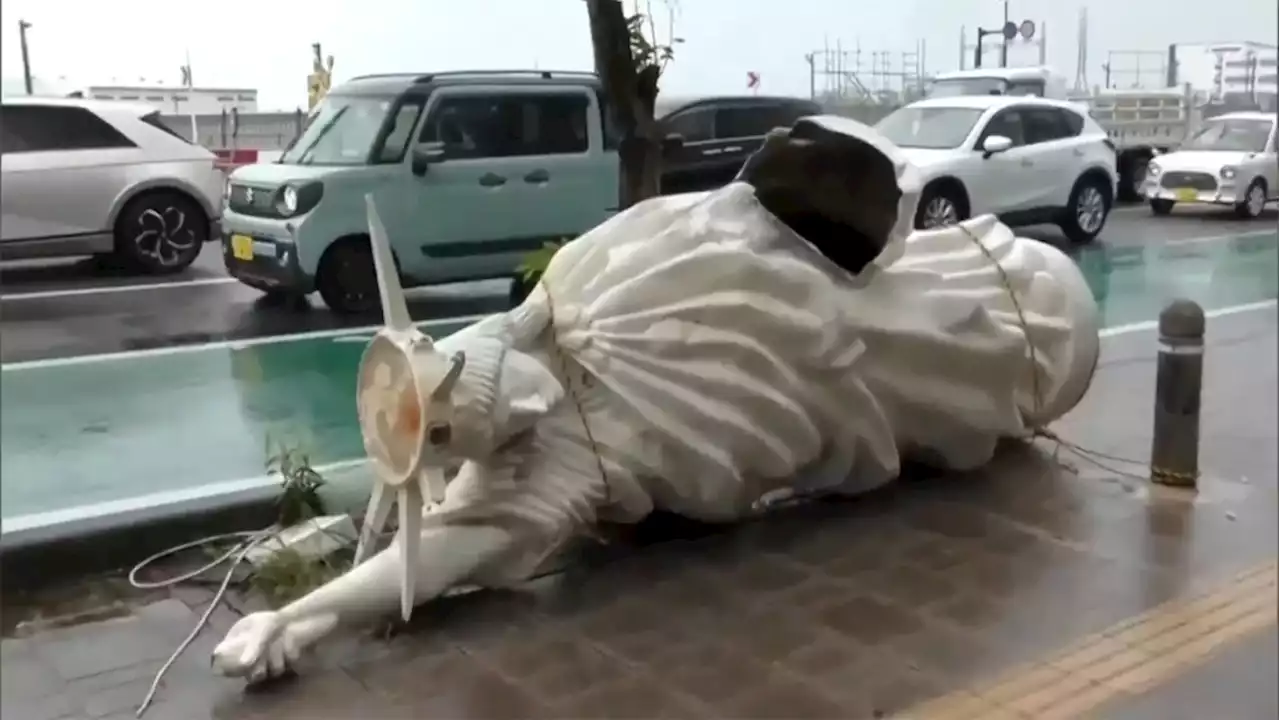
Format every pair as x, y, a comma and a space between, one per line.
1240, 71
173, 99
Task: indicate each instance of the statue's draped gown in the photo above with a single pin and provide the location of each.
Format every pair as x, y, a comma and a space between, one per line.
721, 360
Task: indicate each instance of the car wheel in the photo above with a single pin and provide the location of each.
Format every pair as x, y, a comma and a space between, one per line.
346, 279
161, 232
938, 208
1161, 207
1255, 199
1087, 210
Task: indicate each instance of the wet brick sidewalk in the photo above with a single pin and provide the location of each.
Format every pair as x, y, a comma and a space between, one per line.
856, 609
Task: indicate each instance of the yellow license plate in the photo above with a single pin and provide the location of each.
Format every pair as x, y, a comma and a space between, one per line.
1185, 194
242, 247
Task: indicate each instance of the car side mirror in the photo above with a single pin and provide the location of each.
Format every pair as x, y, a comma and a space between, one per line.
995, 144
672, 143
424, 156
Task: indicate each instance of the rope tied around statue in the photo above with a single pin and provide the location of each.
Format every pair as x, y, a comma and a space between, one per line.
1091, 456
575, 381
783, 174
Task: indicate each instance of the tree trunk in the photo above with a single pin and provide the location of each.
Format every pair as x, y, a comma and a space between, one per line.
631, 95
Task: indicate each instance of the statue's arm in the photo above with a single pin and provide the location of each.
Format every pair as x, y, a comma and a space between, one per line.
449, 556
265, 644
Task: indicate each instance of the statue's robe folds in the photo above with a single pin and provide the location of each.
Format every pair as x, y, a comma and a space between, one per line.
718, 360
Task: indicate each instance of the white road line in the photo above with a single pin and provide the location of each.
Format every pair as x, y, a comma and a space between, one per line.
224, 344
140, 287
76, 521
368, 329
1215, 238
109, 289
1148, 325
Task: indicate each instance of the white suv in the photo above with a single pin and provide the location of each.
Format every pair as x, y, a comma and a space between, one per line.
1028, 160
86, 177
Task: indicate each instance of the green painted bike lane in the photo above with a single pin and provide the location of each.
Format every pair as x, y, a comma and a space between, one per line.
80, 432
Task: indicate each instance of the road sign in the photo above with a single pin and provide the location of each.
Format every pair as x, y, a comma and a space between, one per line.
753, 80
1010, 30
1027, 29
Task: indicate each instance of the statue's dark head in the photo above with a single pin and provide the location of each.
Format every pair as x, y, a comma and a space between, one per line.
827, 179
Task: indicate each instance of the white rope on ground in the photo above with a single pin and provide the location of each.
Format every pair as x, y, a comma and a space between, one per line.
248, 541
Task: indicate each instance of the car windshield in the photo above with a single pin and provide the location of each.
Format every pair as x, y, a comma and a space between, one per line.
343, 129
1235, 135
960, 87
935, 128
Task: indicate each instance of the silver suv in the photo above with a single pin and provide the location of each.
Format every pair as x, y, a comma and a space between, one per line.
103, 178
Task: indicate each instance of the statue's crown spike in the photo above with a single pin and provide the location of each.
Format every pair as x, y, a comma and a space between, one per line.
395, 311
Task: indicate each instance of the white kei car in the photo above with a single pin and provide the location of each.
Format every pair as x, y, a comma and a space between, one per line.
1025, 159
1230, 161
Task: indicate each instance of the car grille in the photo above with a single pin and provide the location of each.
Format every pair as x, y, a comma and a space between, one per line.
249, 200
1196, 180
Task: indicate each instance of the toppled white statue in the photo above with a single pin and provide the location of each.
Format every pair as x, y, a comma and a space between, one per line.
693, 354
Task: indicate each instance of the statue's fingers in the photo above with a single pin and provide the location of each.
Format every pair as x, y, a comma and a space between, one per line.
275, 659
291, 650
251, 654
259, 673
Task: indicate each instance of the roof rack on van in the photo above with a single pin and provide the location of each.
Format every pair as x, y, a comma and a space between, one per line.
544, 74
377, 76
424, 78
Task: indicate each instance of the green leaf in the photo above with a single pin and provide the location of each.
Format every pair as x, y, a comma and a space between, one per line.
536, 262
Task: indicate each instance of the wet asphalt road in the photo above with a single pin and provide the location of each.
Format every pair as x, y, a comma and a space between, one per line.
71, 308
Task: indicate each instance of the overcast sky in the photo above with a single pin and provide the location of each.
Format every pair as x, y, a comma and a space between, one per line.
266, 45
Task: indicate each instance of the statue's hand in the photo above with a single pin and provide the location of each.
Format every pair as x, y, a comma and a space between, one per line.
261, 645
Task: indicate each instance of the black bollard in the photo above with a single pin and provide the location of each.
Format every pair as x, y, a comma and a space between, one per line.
1175, 441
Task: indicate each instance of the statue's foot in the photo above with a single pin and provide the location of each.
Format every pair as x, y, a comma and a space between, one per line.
262, 646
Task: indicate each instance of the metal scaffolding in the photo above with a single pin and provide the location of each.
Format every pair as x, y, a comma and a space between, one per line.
875, 76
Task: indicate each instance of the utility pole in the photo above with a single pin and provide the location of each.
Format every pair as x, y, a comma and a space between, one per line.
23, 26
813, 76
1004, 44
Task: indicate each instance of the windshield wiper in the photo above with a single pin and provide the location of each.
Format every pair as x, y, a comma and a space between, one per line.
305, 157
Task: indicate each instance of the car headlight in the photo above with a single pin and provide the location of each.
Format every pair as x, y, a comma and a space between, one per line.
289, 199
1153, 169
1227, 173
298, 199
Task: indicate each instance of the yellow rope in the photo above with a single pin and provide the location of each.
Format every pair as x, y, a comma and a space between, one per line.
562, 359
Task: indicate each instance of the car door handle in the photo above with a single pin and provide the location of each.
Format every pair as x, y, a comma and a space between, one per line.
735, 148
1077, 152
491, 180
538, 177
712, 151
1027, 163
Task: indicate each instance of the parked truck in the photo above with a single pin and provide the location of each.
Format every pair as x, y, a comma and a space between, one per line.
1140, 123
